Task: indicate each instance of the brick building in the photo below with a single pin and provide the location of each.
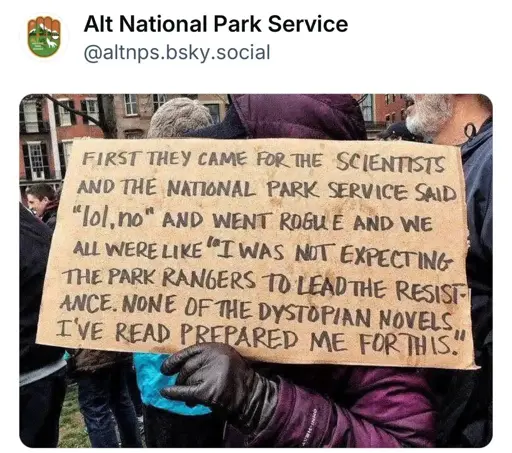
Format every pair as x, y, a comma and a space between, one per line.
46, 134
36, 163
70, 126
381, 110
390, 107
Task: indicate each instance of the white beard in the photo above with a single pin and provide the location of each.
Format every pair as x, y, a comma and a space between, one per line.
430, 114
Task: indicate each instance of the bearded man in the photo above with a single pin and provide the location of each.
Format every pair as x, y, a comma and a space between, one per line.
465, 121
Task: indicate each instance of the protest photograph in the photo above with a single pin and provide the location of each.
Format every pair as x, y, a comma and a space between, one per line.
255, 270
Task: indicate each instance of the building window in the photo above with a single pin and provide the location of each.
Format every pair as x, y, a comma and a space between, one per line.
367, 107
64, 153
393, 117
158, 101
388, 119
35, 160
63, 114
64, 117
401, 96
130, 105
91, 106
214, 112
402, 115
35, 155
30, 116
393, 98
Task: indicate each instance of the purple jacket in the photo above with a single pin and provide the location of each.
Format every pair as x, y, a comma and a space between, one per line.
346, 406
325, 405
315, 116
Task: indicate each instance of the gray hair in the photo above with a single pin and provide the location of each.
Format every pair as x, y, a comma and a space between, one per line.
177, 116
430, 114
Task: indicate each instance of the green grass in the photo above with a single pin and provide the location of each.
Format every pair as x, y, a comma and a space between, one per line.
72, 429
72, 432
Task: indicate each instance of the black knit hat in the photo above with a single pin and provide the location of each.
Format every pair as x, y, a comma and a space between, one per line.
399, 131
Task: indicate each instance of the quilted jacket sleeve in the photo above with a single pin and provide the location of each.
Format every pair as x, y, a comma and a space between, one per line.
384, 407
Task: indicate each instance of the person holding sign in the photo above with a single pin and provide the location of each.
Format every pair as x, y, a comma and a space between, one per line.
271, 405
465, 121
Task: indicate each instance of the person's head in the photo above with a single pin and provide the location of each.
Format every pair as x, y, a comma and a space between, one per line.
178, 116
303, 116
398, 131
39, 196
442, 118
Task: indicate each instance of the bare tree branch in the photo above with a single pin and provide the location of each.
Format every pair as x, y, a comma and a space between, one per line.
362, 98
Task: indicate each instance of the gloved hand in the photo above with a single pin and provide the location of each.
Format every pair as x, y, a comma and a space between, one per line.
217, 376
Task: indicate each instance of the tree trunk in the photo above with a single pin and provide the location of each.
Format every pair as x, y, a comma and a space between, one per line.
106, 115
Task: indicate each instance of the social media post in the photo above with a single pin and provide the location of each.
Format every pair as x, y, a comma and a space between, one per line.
195, 232
232, 235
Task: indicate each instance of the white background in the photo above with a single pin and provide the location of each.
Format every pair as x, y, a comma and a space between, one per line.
390, 47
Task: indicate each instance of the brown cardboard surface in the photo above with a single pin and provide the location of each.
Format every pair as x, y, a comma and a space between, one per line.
310, 267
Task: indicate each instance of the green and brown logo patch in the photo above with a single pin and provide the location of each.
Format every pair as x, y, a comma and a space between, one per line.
44, 36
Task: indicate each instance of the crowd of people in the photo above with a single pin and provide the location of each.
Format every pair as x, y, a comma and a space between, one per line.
208, 395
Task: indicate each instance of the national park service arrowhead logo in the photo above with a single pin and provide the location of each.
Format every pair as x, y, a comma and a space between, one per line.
43, 36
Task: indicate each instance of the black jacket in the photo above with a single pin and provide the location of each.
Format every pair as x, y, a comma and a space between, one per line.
465, 419
50, 215
35, 239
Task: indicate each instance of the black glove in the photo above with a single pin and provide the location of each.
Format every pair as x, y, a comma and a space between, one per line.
217, 376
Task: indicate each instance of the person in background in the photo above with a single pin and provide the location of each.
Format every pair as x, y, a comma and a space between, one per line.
38, 197
398, 131
273, 405
42, 368
169, 423
131, 380
465, 397
104, 398
50, 212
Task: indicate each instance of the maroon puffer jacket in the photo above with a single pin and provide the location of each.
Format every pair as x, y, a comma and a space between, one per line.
346, 406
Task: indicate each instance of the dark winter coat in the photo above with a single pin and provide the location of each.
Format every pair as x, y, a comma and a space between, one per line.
89, 360
50, 214
466, 396
324, 405
35, 240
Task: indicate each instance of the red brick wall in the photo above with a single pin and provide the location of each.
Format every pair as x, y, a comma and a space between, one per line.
79, 129
63, 132
381, 109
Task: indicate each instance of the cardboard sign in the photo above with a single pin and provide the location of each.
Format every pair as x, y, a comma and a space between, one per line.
291, 251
